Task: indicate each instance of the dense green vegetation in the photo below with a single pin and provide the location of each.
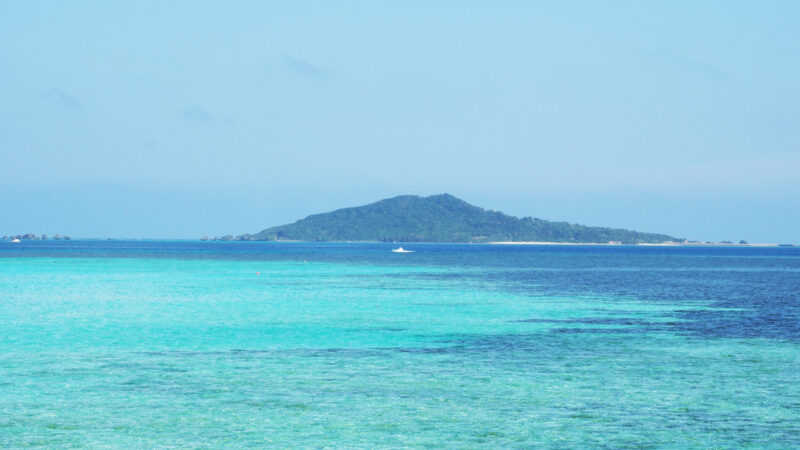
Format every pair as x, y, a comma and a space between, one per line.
439, 218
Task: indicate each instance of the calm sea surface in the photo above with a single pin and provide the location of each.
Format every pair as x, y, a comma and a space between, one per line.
140, 344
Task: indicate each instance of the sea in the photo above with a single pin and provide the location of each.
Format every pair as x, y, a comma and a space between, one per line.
132, 344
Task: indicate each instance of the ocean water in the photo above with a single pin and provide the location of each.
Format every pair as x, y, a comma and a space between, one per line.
143, 344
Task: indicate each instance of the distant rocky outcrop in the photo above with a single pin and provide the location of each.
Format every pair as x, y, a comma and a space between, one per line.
32, 237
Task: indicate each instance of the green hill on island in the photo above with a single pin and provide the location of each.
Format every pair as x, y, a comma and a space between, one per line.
439, 218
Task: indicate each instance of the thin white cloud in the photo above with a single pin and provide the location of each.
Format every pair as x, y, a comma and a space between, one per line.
197, 114
62, 99
688, 64
302, 67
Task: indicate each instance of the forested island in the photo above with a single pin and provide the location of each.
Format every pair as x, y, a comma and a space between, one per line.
440, 218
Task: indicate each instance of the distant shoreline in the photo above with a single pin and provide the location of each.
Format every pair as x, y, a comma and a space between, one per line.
660, 244
608, 244
526, 243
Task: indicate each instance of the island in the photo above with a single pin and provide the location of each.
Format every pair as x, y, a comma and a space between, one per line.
441, 218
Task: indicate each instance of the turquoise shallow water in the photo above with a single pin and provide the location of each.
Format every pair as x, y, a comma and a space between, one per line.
137, 344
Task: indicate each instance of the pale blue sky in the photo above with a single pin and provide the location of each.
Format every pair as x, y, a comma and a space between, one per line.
179, 119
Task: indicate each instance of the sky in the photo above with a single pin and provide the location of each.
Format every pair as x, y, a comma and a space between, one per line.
182, 119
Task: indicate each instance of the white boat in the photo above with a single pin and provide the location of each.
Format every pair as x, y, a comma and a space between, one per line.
402, 250
15, 240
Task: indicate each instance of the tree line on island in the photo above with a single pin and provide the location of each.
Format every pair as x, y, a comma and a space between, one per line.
440, 218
